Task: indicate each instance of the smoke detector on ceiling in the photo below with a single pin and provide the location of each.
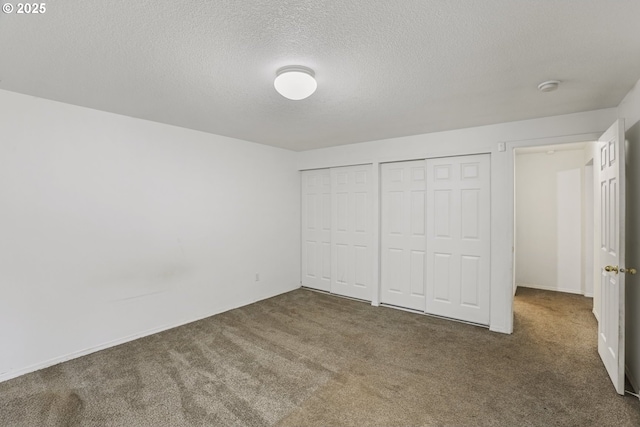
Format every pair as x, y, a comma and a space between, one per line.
548, 86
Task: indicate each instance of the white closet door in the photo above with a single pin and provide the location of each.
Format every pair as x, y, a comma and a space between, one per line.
351, 233
403, 240
316, 229
458, 237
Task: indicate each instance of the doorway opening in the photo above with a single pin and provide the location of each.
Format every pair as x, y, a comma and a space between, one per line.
554, 219
607, 160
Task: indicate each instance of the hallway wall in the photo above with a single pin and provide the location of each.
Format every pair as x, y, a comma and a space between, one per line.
549, 220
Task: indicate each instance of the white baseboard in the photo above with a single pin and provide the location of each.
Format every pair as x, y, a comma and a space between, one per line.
501, 329
632, 379
5, 376
551, 288
588, 295
595, 314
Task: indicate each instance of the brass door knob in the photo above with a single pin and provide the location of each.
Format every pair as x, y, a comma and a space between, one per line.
628, 270
613, 268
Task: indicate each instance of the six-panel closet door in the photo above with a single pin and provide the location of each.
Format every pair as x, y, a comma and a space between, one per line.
434, 241
351, 232
337, 234
458, 238
403, 239
316, 229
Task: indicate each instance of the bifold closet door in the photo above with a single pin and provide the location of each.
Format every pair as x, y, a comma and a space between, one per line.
316, 229
403, 240
351, 232
458, 237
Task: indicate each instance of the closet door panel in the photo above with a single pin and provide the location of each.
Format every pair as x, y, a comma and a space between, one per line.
458, 237
402, 221
316, 229
351, 234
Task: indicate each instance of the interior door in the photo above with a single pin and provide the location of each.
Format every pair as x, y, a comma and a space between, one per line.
459, 238
403, 240
351, 232
611, 244
316, 229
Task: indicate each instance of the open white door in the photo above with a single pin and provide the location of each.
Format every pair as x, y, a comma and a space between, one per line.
612, 227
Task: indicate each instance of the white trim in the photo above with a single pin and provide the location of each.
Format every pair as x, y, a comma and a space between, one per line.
335, 295
397, 307
595, 314
341, 166
551, 288
375, 229
632, 380
479, 325
320, 291
426, 156
5, 376
422, 313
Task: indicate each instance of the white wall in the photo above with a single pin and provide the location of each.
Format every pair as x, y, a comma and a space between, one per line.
577, 127
548, 220
569, 226
629, 109
113, 227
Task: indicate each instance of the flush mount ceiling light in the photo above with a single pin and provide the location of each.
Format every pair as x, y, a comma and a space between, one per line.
295, 82
548, 86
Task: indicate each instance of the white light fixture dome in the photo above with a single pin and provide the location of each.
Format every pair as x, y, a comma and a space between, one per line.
295, 82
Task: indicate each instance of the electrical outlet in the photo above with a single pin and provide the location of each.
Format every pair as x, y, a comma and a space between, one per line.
257, 277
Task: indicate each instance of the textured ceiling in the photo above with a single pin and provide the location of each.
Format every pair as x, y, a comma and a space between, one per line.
384, 68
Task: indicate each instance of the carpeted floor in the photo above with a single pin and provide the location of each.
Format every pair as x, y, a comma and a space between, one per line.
305, 358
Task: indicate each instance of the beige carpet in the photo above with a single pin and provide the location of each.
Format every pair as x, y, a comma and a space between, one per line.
305, 358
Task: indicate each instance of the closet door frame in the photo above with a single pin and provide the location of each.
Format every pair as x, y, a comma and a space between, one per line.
499, 318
